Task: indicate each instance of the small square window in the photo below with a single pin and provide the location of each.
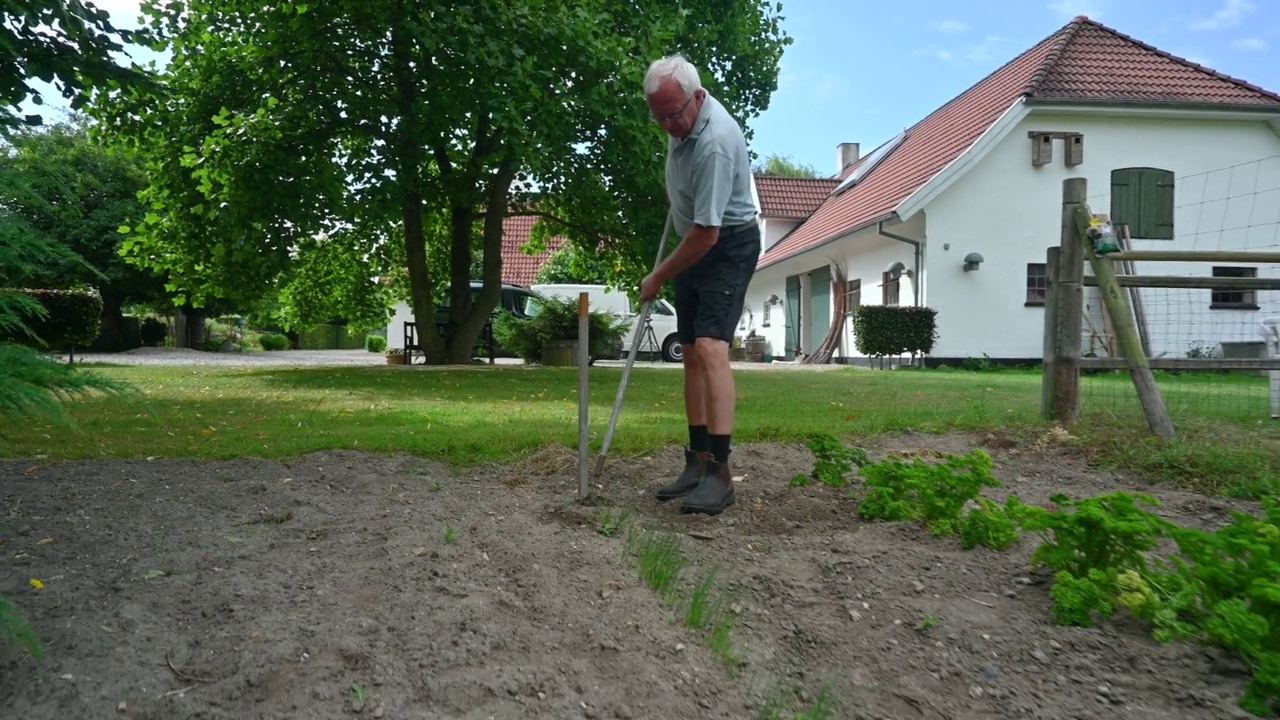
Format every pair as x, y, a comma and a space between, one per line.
1234, 299
1037, 284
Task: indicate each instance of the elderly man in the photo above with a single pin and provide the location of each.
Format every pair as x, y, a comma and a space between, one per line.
708, 178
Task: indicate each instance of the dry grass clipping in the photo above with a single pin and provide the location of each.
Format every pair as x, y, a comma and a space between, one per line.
543, 462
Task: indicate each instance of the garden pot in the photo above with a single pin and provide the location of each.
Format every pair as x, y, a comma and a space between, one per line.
737, 354
560, 353
397, 359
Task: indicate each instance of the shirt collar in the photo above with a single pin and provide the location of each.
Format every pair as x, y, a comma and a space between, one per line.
704, 116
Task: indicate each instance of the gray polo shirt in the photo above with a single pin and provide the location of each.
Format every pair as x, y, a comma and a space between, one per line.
709, 172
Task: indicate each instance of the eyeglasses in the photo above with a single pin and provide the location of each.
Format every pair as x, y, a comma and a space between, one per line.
663, 119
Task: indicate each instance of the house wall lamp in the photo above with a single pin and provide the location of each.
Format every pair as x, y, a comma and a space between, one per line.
972, 261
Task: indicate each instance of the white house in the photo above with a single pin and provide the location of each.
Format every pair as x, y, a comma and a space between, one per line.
1186, 157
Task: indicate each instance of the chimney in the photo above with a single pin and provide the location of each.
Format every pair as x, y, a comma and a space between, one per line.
846, 155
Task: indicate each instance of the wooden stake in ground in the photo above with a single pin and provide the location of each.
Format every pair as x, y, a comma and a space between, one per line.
1070, 308
1117, 306
584, 363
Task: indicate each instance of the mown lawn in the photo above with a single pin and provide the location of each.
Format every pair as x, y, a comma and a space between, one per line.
492, 413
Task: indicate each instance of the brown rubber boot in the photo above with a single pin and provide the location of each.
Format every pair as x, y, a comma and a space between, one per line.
715, 493
695, 464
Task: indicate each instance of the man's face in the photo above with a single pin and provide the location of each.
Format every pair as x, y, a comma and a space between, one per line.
672, 110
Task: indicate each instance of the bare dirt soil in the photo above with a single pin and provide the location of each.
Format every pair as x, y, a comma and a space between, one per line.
344, 584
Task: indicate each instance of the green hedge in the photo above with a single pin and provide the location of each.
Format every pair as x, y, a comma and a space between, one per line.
891, 330
73, 319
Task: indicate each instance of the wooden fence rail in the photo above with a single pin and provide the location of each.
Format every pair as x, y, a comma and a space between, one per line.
1064, 315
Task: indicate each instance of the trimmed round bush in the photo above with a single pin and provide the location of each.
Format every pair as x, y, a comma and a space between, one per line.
274, 341
375, 343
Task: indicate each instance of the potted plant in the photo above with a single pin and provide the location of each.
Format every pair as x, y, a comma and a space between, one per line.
550, 334
397, 356
736, 351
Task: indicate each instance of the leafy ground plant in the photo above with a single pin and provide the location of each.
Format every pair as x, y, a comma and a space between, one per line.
1222, 587
933, 493
15, 631
833, 462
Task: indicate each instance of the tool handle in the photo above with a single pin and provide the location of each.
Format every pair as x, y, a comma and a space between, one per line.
631, 355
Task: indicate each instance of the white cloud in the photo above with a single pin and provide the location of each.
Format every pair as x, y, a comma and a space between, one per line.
1068, 9
1230, 14
950, 27
1249, 44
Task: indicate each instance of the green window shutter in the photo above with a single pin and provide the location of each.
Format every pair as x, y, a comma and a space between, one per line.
1157, 203
1142, 198
1126, 199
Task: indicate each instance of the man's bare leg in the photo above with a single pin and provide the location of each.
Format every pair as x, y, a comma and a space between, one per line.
695, 409
715, 492
720, 393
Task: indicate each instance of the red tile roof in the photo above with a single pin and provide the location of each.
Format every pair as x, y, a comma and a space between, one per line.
1082, 61
519, 267
1093, 62
792, 198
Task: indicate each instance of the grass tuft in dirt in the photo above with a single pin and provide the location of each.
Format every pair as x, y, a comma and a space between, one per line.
662, 563
450, 534
610, 521
660, 559
787, 705
16, 632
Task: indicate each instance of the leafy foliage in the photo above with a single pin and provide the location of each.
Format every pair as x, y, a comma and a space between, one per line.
67, 41
573, 264
891, 330
785, 166
418, 126
33, 386
1105, 532
16, 632
832, 462
555, 319
70, 319
273, 341
934, 493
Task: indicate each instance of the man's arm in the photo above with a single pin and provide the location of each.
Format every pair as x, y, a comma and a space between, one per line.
692, 247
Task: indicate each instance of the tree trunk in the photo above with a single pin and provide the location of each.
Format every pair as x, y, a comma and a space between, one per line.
111, 336
409, 157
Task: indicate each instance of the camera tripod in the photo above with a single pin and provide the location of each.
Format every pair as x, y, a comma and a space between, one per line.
647, 335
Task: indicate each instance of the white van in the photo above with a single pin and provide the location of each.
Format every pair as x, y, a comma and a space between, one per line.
601, 298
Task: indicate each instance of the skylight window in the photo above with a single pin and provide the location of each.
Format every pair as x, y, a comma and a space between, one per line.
870, 163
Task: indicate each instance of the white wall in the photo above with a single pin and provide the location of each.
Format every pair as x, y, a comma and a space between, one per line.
774, 229
1228, 197
401, 313
865, 256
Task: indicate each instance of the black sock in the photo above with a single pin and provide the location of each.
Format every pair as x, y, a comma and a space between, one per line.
720, 448
699, 440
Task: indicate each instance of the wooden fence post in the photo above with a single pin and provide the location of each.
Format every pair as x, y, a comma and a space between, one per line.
1122, 319
1053, 261
1066, 364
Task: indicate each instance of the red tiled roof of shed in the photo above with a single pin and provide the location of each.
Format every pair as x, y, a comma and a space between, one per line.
792, 198
519, 267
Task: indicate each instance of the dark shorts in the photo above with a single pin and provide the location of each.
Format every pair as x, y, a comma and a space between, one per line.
710, 293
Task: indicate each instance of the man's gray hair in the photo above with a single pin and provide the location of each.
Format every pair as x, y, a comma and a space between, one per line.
676, 68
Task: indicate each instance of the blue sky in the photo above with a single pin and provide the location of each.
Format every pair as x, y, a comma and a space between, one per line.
863, 72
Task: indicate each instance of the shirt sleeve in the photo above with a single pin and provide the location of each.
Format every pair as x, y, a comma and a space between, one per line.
712, 185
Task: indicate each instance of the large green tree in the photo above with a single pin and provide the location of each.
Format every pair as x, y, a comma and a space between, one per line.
76, 193
415, 122
68, 43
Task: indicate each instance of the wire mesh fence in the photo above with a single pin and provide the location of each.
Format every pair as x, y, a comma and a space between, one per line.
1232, 211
